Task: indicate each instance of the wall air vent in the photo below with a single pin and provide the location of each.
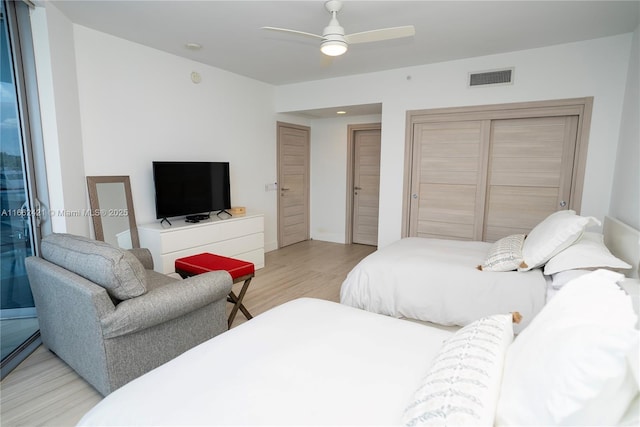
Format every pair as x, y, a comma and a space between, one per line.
494, 77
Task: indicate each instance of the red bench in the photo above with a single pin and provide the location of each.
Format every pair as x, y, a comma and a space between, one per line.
238, 269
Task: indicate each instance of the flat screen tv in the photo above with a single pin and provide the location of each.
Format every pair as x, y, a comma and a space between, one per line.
194, 189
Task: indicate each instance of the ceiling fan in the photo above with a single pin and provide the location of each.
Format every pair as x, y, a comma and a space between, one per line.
335, 42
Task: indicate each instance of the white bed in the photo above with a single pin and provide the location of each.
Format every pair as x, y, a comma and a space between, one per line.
305, 362
436, 280
314, 362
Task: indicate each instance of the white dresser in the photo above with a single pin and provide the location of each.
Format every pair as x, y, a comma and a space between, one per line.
239, 237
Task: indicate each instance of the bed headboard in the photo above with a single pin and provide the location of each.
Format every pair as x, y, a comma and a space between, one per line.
624, 242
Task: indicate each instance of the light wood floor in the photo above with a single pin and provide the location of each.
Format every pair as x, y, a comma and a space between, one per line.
44, 391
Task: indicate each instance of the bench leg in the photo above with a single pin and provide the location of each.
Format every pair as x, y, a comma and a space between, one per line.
237, 303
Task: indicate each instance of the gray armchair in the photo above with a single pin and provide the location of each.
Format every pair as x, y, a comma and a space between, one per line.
109, 316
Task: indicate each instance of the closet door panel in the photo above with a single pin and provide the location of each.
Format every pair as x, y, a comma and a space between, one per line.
449, 199
529, 174
526, 172
445, 170
448, 169
516, 210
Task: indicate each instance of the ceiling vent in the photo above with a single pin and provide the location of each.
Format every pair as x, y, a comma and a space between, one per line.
491, 78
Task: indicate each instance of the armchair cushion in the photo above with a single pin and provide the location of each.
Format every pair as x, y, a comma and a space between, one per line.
118, 271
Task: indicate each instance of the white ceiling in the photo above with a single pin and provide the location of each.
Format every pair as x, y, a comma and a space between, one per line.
445, 30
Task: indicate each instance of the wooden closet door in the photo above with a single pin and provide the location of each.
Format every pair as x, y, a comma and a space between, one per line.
521, 161
448, 179
529, 174
366, 188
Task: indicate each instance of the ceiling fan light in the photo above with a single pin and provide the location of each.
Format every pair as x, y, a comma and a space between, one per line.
333, 47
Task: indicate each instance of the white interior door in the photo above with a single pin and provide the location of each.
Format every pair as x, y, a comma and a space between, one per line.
366, 189
293, 184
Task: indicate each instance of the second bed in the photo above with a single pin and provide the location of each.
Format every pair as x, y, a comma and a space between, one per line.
437, 281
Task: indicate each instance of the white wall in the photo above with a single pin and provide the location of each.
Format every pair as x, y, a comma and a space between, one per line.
625, 195
595, 68
134, 104
139, 105
59, 108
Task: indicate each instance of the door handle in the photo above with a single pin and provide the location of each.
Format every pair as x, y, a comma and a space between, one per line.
357, 188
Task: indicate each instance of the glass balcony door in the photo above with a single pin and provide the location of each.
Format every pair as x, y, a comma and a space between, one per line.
19, 223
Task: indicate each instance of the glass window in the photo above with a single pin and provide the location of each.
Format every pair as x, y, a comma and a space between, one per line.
18, 233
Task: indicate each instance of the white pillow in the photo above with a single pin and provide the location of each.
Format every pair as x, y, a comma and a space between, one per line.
570, 366
463, 383
505, 254
555, 233
588, 252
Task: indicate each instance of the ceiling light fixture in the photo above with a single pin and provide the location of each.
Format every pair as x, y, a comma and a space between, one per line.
193, 46
341, 112
335, 42
333, 47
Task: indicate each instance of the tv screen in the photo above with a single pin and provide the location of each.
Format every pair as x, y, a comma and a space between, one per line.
191, 188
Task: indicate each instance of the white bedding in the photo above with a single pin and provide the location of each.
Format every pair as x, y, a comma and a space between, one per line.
307, 362
436, 280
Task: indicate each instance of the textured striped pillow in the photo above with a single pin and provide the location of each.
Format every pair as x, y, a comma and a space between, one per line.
463, 383
505, 254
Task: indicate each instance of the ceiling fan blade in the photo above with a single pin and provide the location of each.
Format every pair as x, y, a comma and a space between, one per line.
382, 34
286, 30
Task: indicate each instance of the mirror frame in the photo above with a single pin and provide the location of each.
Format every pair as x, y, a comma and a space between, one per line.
96, 213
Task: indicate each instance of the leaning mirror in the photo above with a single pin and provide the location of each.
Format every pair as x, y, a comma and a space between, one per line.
114, 220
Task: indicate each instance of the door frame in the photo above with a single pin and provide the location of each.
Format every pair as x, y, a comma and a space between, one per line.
351, 149
280, 125
581, 107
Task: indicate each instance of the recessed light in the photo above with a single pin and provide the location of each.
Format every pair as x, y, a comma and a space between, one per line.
193, 46
341, 112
